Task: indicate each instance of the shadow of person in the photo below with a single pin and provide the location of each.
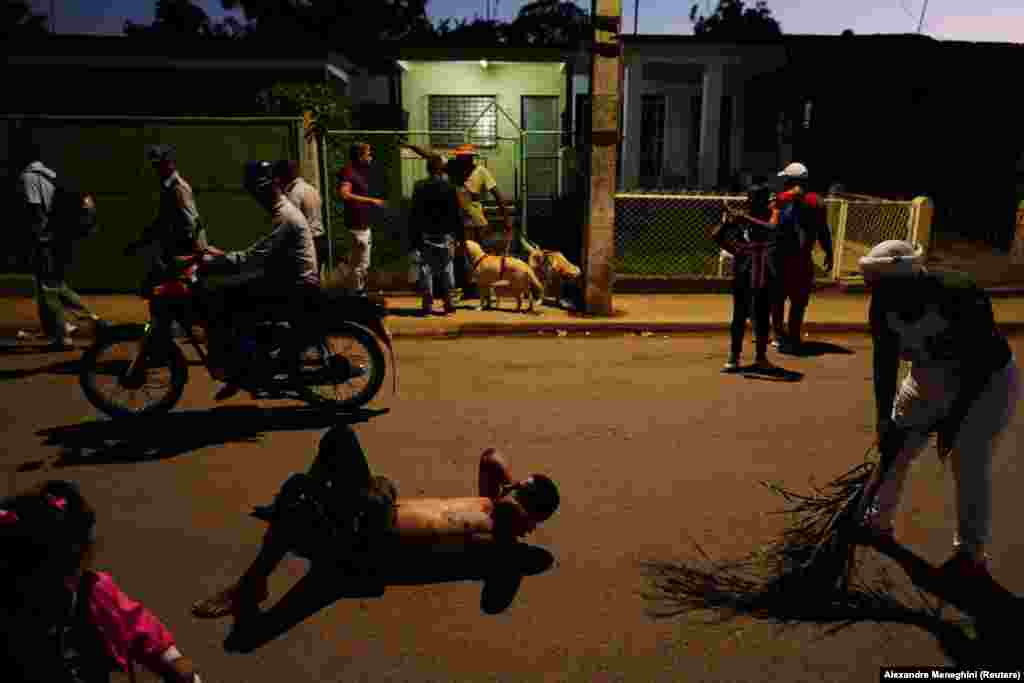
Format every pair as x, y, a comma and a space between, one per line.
810, 349
726, 588
67, 367
501, 569
772, 374
161, 437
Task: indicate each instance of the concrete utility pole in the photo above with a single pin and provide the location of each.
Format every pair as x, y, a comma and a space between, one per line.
605, 95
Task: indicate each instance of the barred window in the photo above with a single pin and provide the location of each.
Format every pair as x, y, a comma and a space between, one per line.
459, 112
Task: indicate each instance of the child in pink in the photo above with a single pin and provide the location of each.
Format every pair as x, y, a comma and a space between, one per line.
66, 622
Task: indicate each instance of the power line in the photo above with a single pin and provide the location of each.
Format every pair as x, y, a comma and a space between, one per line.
923, 10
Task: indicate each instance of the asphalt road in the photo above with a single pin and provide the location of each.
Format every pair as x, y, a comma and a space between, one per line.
652, 448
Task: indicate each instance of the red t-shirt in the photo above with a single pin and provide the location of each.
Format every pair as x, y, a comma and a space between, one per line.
357, 214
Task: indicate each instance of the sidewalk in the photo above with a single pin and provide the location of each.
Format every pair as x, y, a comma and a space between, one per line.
831, 311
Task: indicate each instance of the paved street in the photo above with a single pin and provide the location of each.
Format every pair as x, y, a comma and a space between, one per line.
652, 449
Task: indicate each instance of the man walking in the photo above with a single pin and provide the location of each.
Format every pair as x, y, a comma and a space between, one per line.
802, 223
304, 196
177, 228
52, 253
354, 190
432, 227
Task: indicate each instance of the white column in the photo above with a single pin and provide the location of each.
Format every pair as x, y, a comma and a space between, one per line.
710, 126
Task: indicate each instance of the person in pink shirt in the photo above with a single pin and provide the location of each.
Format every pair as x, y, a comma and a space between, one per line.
65, 622
340, 484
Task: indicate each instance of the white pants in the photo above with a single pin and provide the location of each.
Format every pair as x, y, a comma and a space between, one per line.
986, 421
359, 259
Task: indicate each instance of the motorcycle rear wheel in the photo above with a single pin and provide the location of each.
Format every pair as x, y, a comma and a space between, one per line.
344, 371
102, 377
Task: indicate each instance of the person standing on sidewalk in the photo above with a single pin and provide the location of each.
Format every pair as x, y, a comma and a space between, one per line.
354, 190
964, 385
53, 252
750, 238
802, 223
177, 229
434, 222
304, 196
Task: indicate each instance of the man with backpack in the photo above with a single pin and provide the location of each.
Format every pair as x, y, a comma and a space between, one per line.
802, 222
56, 216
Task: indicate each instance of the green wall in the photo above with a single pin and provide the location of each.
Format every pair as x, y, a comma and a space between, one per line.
108, 157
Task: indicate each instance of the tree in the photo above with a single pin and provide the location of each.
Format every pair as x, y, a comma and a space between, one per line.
352, 22
732, 20
550, 23
19, 21
183, 19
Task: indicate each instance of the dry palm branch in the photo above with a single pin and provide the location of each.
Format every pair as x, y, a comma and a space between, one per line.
809, 574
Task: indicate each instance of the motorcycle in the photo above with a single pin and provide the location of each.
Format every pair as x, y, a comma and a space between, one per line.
140, 369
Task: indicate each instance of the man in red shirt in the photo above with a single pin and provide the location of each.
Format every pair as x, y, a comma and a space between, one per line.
802, 223
354, 190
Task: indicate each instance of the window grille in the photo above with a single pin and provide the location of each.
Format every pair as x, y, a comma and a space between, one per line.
459, 112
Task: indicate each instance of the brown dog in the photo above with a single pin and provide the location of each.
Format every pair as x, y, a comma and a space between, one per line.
552, 268
501, 273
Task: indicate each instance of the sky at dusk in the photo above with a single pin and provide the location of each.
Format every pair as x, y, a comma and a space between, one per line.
972, 20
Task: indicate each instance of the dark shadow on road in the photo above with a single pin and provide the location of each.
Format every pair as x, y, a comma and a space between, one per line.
810, 349
66, 367
775, 374
103, 441
500, 569
680, 589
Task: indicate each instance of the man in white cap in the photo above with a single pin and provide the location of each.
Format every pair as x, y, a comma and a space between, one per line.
802, 223
963, 384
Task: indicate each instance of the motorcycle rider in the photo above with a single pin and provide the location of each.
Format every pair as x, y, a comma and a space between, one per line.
288, 287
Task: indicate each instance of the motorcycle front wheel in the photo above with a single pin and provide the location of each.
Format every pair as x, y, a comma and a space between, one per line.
112, 384
343, 371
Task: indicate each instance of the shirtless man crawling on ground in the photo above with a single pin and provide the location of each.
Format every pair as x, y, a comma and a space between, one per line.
503, 511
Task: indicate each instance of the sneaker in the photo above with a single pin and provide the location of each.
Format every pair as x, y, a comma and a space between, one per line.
731, 365
230, 601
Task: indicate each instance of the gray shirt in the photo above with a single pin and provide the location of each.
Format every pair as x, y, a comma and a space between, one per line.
287, 254
36, 185
307, 199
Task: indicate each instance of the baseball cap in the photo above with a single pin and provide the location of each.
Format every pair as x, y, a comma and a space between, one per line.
156, 153
795, 170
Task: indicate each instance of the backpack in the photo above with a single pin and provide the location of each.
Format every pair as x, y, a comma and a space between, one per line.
72, 214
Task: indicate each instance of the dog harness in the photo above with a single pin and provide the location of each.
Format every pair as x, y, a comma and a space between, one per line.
480, 260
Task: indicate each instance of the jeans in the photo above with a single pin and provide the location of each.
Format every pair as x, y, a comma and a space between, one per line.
362, 241
52, 291
975, 446
437, 265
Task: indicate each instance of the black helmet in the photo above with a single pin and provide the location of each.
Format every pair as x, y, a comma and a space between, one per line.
539, 495
156, 153
258, 175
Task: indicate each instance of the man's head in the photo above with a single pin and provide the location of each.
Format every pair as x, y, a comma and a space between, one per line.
164, 160
360, 154
286, 170
435, 165
794, 175
538, 495
891, 261
759, 198
259, 180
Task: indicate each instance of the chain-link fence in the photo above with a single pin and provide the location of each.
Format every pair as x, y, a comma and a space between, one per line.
861, 224
669, 235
